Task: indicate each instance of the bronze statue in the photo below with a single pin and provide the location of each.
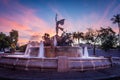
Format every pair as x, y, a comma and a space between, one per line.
61, 22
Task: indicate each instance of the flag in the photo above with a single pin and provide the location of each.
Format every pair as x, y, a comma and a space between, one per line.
61, 22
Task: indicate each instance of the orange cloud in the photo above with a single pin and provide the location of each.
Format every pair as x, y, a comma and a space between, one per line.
22, 41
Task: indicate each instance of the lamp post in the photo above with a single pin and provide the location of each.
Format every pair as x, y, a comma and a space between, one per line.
94, 46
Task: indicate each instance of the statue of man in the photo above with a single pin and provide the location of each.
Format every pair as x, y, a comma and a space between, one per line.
61, 22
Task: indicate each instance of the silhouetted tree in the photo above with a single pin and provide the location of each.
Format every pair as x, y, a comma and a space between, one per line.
66, 39
74, 35
23, 48
4, 41
91, 36
107, 38
78, 36
46, 38
14, 36
116, 19
14, 39
95, 40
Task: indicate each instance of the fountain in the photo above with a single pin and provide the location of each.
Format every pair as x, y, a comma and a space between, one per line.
41, 50
27, 51
54, 58
85, 53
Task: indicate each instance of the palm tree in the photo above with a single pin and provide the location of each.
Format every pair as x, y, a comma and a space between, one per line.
116, 19
74, 35
79, 36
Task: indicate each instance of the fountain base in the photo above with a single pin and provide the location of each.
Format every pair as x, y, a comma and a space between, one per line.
60, 64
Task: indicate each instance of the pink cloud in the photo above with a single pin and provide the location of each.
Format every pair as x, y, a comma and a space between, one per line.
26, 22
5, 2
23, 41
6, 25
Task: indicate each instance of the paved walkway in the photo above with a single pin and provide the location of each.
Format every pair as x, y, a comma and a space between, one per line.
104, 74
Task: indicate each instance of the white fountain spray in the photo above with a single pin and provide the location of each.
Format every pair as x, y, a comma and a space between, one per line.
27, 51
85, 53
41, 50
55, 41
81, 51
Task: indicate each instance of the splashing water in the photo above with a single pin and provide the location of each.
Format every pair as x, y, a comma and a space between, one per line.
27, 51
41, 50
85, 53
81, 52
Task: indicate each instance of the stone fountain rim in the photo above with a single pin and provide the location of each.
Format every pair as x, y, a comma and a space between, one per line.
57, 47
54, 58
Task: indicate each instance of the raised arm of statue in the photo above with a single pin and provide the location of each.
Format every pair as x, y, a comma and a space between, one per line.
61, 22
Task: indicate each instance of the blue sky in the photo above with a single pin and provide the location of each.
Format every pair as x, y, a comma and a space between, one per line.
33, 17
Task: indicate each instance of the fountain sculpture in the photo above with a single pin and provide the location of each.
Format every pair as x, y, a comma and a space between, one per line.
54, 58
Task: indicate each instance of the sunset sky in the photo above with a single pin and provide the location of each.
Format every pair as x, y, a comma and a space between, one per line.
36, 17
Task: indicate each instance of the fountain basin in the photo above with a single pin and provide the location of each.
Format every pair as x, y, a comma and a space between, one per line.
60, 63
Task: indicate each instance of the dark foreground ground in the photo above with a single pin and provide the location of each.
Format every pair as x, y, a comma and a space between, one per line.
112, 73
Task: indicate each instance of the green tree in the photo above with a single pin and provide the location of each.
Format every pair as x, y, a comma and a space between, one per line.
13, 39
14, 36
107, 38
116, 19
4, 41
